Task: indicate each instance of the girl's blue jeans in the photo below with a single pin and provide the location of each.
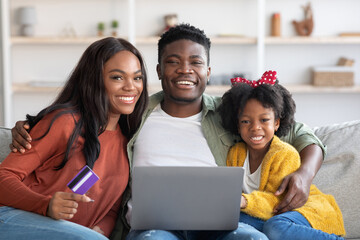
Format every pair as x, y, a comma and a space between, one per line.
18, 224
289, 225
243, 232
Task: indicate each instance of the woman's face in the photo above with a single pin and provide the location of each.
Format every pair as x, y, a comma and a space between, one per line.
123, 82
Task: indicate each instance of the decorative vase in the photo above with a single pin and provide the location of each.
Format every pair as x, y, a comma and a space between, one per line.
27, 20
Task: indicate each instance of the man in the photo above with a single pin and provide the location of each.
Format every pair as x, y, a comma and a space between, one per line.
182, 128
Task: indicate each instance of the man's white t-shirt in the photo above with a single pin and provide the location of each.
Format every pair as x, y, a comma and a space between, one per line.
170, 141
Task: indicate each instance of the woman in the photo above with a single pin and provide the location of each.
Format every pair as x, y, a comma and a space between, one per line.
89, 123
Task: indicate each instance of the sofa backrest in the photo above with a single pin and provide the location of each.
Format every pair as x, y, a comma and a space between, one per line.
5, 140
339, 173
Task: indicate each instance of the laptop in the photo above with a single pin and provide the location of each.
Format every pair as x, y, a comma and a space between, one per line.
186, 198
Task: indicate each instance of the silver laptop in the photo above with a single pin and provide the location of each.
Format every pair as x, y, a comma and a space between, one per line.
186, 198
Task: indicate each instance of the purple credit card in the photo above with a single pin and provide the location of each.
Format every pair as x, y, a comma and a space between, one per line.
83, 181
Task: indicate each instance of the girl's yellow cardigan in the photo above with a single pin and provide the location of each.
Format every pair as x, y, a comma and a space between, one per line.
321, 210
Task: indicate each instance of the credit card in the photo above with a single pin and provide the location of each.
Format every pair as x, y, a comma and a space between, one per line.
83, 181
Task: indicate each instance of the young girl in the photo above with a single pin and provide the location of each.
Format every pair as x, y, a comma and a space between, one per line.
89, 123
261, 112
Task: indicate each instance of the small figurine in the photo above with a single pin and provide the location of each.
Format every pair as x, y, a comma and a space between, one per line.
171, 20
305, 27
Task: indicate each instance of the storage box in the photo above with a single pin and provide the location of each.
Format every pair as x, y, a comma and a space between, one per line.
337, 76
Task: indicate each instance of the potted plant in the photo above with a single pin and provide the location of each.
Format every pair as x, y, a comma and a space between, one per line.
114, 27
101, 28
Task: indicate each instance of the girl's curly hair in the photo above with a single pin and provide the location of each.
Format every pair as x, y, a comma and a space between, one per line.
274, 96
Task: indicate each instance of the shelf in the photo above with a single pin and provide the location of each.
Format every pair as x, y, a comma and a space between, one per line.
312, 40
214, 40
233, 40
293, 88
307, 88
211, 89
139, 40
53, 40
147, 40
29, 88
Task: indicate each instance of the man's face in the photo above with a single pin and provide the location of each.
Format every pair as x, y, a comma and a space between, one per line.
183, 71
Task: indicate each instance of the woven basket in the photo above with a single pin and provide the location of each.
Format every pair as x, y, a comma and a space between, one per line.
334, 76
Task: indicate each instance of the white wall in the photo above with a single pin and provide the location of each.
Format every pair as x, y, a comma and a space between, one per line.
293, 62
1, 91
54, 16
323, 108
2, 120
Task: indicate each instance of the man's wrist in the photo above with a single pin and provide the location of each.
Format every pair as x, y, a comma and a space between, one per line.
307, 174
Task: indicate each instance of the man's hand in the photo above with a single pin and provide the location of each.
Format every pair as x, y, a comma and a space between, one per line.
298, 183
64, 205
20, 137
297, 187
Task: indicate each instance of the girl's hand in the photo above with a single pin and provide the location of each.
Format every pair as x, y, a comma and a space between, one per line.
98, 229
64, 205
243, 203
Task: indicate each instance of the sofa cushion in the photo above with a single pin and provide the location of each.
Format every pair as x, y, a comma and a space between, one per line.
5, 140
339, 173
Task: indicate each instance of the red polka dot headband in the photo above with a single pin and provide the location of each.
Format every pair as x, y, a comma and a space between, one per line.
269, 77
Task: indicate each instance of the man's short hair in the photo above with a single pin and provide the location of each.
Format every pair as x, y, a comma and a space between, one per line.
184, 31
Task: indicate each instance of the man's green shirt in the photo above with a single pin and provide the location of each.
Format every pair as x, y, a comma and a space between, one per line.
218, 139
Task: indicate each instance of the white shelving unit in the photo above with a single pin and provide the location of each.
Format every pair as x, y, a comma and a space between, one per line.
254, 48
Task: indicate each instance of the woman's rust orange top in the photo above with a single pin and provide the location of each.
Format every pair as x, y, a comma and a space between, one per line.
28, 181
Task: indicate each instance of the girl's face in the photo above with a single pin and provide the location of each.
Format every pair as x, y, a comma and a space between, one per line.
123, 82
257, 125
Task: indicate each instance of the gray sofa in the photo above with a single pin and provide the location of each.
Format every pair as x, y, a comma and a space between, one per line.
339, 174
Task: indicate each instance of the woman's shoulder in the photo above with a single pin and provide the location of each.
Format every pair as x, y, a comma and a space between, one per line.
58, 122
